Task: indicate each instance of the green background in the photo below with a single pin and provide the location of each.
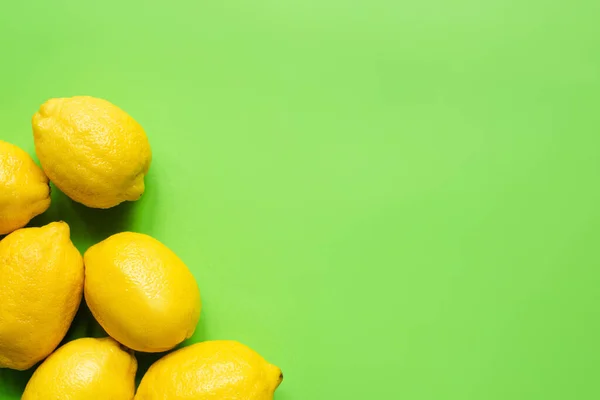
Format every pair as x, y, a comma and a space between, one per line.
387, 199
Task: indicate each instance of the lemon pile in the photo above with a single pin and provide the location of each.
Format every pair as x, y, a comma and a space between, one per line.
139, 291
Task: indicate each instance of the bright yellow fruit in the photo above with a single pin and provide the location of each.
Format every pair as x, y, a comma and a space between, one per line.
141, 293
24, 190
208, 371
41, 280
85, 369
92, 150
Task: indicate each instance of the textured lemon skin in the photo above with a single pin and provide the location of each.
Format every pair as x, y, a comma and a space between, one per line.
140, 292
24, 190
41, 278
85, 369
92, 150
211, 370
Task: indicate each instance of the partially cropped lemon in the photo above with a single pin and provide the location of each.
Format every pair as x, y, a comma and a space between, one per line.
211, 370
41, 280
92, 150
85, 369
140, 292
24, 190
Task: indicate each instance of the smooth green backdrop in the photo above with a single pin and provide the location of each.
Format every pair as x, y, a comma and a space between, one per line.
388, 199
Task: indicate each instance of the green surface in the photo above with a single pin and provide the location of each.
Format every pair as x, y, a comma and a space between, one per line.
388, 199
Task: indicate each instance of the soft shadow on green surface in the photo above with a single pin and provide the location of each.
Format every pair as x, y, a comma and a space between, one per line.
13, 382
88, 225
145, 361
84, 325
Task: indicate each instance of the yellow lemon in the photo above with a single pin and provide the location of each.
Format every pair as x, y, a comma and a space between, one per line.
211, 370
41, 278
24, 190
140, 292
85, 369
92, 150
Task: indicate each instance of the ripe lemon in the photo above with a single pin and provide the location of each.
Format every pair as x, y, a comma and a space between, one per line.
24, 190
85, 369
211, 370
92, 150
140, 292
41, 278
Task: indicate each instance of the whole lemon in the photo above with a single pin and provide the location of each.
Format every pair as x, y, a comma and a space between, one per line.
85, 369
92, 150
211, 370
41, 278
140, 292
24, 190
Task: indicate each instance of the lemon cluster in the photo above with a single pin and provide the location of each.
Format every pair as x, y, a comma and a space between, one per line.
139, 291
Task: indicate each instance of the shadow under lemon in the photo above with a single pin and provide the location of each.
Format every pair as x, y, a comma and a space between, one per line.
12, 383
88, 225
